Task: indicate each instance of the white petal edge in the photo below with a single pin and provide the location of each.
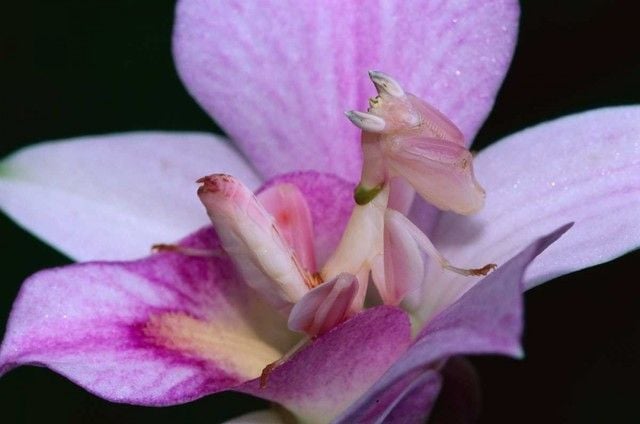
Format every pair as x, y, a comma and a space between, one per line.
112, 196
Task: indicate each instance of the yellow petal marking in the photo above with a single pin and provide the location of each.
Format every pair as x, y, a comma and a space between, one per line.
231, 346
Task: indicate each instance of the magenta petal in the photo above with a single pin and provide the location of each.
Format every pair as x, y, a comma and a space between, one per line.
278, 75
330, 200
487, 319
325, 377
159, 331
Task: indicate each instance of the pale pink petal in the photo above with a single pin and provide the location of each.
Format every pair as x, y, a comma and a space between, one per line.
583, 168
112, 197
323, 379
487, 319
325, 306
291, 212
330, 201
159, 331
278, 75
440, 171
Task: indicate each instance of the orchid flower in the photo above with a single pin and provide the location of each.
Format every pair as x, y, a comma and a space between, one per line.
173, 327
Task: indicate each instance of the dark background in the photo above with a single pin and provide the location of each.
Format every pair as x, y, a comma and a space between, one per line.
80, 67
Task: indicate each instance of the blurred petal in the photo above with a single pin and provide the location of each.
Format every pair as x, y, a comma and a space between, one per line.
160, 331
291, 212
487, 319
277, 75
330, 200
325, 377
439, 170
112, 197
583, 168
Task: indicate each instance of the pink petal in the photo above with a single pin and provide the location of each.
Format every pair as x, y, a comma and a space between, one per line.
325, 306
277, 76
487, 319
330, 200
323, 379
112, 197
582, 168
288, 206
160, 331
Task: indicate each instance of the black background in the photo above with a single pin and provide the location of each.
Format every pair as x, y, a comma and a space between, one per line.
80, 67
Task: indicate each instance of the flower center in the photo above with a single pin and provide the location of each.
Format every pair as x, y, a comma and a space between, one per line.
407, 146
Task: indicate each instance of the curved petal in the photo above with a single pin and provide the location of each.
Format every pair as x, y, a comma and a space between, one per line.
486, 319
330, 200
112, 197
582, 168
277, 75
160, 331
323, 379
